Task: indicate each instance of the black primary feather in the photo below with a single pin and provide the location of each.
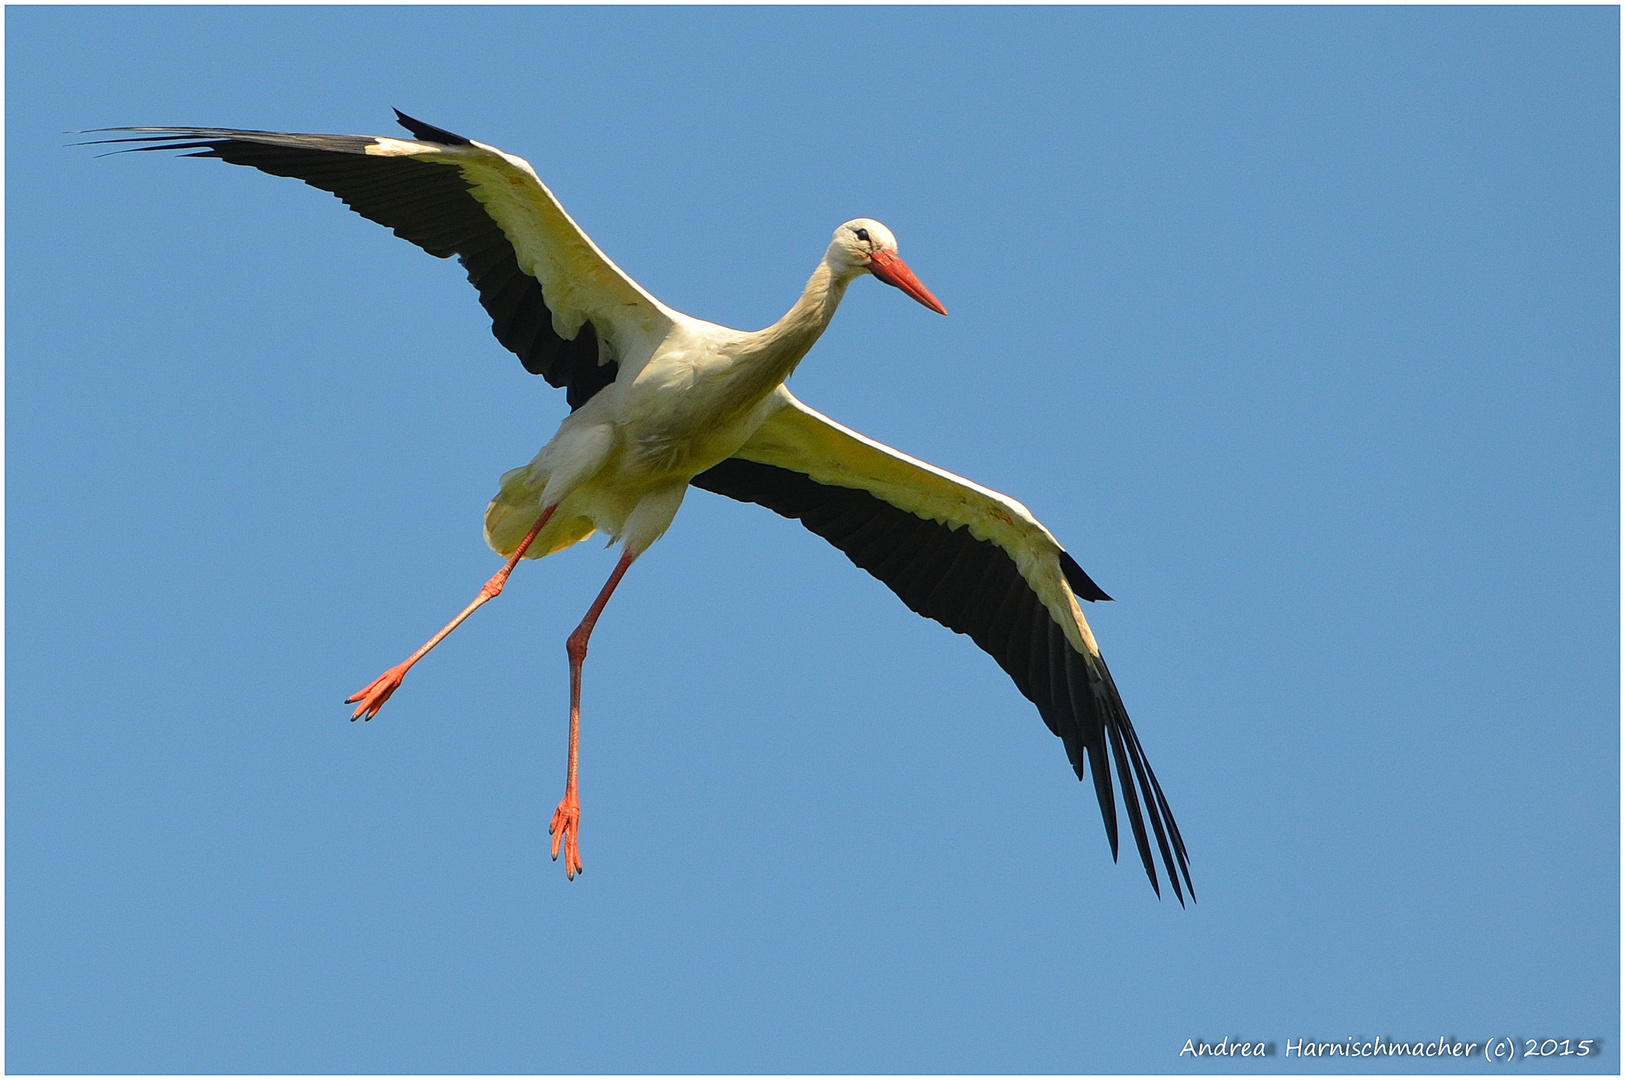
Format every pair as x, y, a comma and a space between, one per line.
973, 587
428, 132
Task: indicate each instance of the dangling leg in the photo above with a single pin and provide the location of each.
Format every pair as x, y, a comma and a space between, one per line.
567, 818
377, 692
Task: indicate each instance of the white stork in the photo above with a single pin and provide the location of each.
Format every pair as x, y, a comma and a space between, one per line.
661, 401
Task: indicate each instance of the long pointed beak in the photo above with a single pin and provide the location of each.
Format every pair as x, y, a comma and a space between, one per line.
886, 266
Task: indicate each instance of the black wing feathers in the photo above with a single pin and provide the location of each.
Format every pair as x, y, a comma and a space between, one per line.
973, 587
428, 132
428, 204
1081, 583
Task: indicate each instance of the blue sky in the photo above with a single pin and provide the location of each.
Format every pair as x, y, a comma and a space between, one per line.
1298, 327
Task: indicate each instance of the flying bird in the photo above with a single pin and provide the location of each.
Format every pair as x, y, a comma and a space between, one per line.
661, 401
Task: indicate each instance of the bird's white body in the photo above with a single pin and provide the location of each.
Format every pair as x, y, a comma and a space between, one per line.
623, 460
662, 401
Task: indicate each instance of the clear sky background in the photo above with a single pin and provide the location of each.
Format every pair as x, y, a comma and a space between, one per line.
1298, 327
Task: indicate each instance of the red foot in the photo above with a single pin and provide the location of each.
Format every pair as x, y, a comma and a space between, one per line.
376, 693
564, 829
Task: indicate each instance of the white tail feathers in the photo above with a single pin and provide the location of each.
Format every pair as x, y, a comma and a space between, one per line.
515, 509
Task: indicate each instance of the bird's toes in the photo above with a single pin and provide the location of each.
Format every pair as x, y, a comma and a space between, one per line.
572, 856
566, 821
373, 696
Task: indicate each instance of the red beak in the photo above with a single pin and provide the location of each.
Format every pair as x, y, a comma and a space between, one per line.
886, 266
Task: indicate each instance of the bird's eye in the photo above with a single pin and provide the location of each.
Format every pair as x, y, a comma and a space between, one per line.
863, 234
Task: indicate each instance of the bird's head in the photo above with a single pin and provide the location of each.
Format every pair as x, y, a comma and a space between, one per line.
864, 245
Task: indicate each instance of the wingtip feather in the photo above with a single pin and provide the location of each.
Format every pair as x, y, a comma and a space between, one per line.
1081, 583
428, 132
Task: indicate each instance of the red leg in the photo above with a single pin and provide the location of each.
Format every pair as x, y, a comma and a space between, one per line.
567, 818
377, 692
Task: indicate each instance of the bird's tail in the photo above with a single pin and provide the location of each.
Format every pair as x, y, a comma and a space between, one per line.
515, 509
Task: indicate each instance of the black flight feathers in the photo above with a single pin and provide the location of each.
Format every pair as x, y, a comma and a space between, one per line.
1081, 583
430, 205
428, 132
973, 587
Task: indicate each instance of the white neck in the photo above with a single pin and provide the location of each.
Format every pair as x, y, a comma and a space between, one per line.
765, 358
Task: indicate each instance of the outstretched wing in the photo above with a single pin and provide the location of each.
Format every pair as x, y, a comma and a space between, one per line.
555, 300
977, 562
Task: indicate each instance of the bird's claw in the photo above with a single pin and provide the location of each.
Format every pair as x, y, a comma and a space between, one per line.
564, 829
377, 692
